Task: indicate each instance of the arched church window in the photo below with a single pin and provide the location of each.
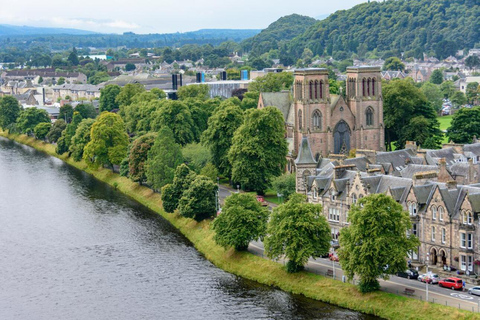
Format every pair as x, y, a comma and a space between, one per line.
300, 119
373, 87
316, 89
369, 116
321, 89
311, 90
363, 87
368, 87
317, 120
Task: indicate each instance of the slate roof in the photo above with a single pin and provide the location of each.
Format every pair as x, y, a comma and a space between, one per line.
410, 170
473, 148
281, 100
399, 159
432, 156
360, 163
305, 153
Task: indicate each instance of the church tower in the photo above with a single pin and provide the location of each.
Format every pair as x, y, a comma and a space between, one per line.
311, 98
364, 97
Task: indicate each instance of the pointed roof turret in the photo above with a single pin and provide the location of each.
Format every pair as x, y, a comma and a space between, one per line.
305, 153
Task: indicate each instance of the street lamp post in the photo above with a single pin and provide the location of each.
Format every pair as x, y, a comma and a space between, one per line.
217, 201
426, 275
238, 188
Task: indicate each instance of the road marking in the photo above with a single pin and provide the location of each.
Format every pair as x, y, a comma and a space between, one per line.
461, 296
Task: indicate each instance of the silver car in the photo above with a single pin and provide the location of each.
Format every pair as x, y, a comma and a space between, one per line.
474, 290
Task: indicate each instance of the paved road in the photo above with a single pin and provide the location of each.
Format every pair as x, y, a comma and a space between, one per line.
395, 284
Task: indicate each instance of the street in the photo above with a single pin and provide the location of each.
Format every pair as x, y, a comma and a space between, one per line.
396, 285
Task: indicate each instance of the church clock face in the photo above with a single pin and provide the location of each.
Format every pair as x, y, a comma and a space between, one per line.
341, 138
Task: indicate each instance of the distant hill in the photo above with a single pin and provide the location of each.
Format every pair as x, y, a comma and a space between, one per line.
10, 30
280, 31
437, 27
64, 41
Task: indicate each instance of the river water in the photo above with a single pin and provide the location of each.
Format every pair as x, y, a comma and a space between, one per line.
71, 247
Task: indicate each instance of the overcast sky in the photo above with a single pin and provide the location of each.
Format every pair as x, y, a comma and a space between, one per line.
163, 16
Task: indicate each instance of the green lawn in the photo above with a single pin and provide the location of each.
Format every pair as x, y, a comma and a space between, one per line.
444, 124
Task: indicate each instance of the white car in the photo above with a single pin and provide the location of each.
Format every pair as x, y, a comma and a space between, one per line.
474, 290
430, 278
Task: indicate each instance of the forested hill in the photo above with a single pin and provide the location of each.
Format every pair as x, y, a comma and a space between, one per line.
10, 30
438, 27
277, 33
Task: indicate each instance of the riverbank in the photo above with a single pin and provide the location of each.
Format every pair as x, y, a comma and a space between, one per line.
261, 270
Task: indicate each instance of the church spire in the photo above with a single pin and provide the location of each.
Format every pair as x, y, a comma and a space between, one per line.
305, 153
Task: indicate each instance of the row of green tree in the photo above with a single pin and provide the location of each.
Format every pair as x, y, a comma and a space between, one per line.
374, 245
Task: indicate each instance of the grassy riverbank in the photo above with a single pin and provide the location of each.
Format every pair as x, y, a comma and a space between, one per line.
265, 271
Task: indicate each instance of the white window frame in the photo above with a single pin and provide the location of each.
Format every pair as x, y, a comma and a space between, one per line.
443, 235
434, 213
463, 262
470, 263
433, 234
463, 240
469, 218
469, 241
440, 213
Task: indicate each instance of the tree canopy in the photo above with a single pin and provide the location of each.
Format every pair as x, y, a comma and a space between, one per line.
163, 158
375, 244
108, 96
198, 201
259, 149
9, 111
465, 124
242, 220
108, 141
138, 156
30, 117
81, 139
298, 230
219, 134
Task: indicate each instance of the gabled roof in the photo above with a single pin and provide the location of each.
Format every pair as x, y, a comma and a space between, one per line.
281, 100
422, 193
410, 170
399, 159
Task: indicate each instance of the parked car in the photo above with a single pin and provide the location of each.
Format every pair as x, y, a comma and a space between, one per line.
474, 290
409, 274
452, 283
262, 201
430, 278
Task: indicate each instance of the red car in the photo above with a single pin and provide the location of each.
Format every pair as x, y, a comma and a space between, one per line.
453, 283
262, 201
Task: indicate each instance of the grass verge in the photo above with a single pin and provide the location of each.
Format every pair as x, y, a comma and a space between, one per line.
264, 271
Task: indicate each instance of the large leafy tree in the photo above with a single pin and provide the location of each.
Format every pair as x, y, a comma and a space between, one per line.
126, 95
218, 137
9, 111
66, 113
284, 184
171, 193
64, 142
242, 220
436, 77
56, 130
163, 158
196, 156
81, 139
30, 117
259, 150
138, 156
472, 92
403, 104
198, 201
376, 244
472, 62
198, 91
298, 230
41, 130
465, 124
272, 82
86, 110
134, 112
109, 141
108, 96
393, 63
433, 94
176, 116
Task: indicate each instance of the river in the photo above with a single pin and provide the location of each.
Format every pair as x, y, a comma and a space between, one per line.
71, 247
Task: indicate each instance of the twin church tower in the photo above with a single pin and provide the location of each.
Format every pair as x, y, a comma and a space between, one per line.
334, 124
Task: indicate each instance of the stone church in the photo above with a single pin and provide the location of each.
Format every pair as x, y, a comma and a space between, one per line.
332, 124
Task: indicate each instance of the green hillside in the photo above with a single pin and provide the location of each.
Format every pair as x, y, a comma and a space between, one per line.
438, 27
277, 33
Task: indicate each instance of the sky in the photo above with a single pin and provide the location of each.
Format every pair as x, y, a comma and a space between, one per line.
163, 16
